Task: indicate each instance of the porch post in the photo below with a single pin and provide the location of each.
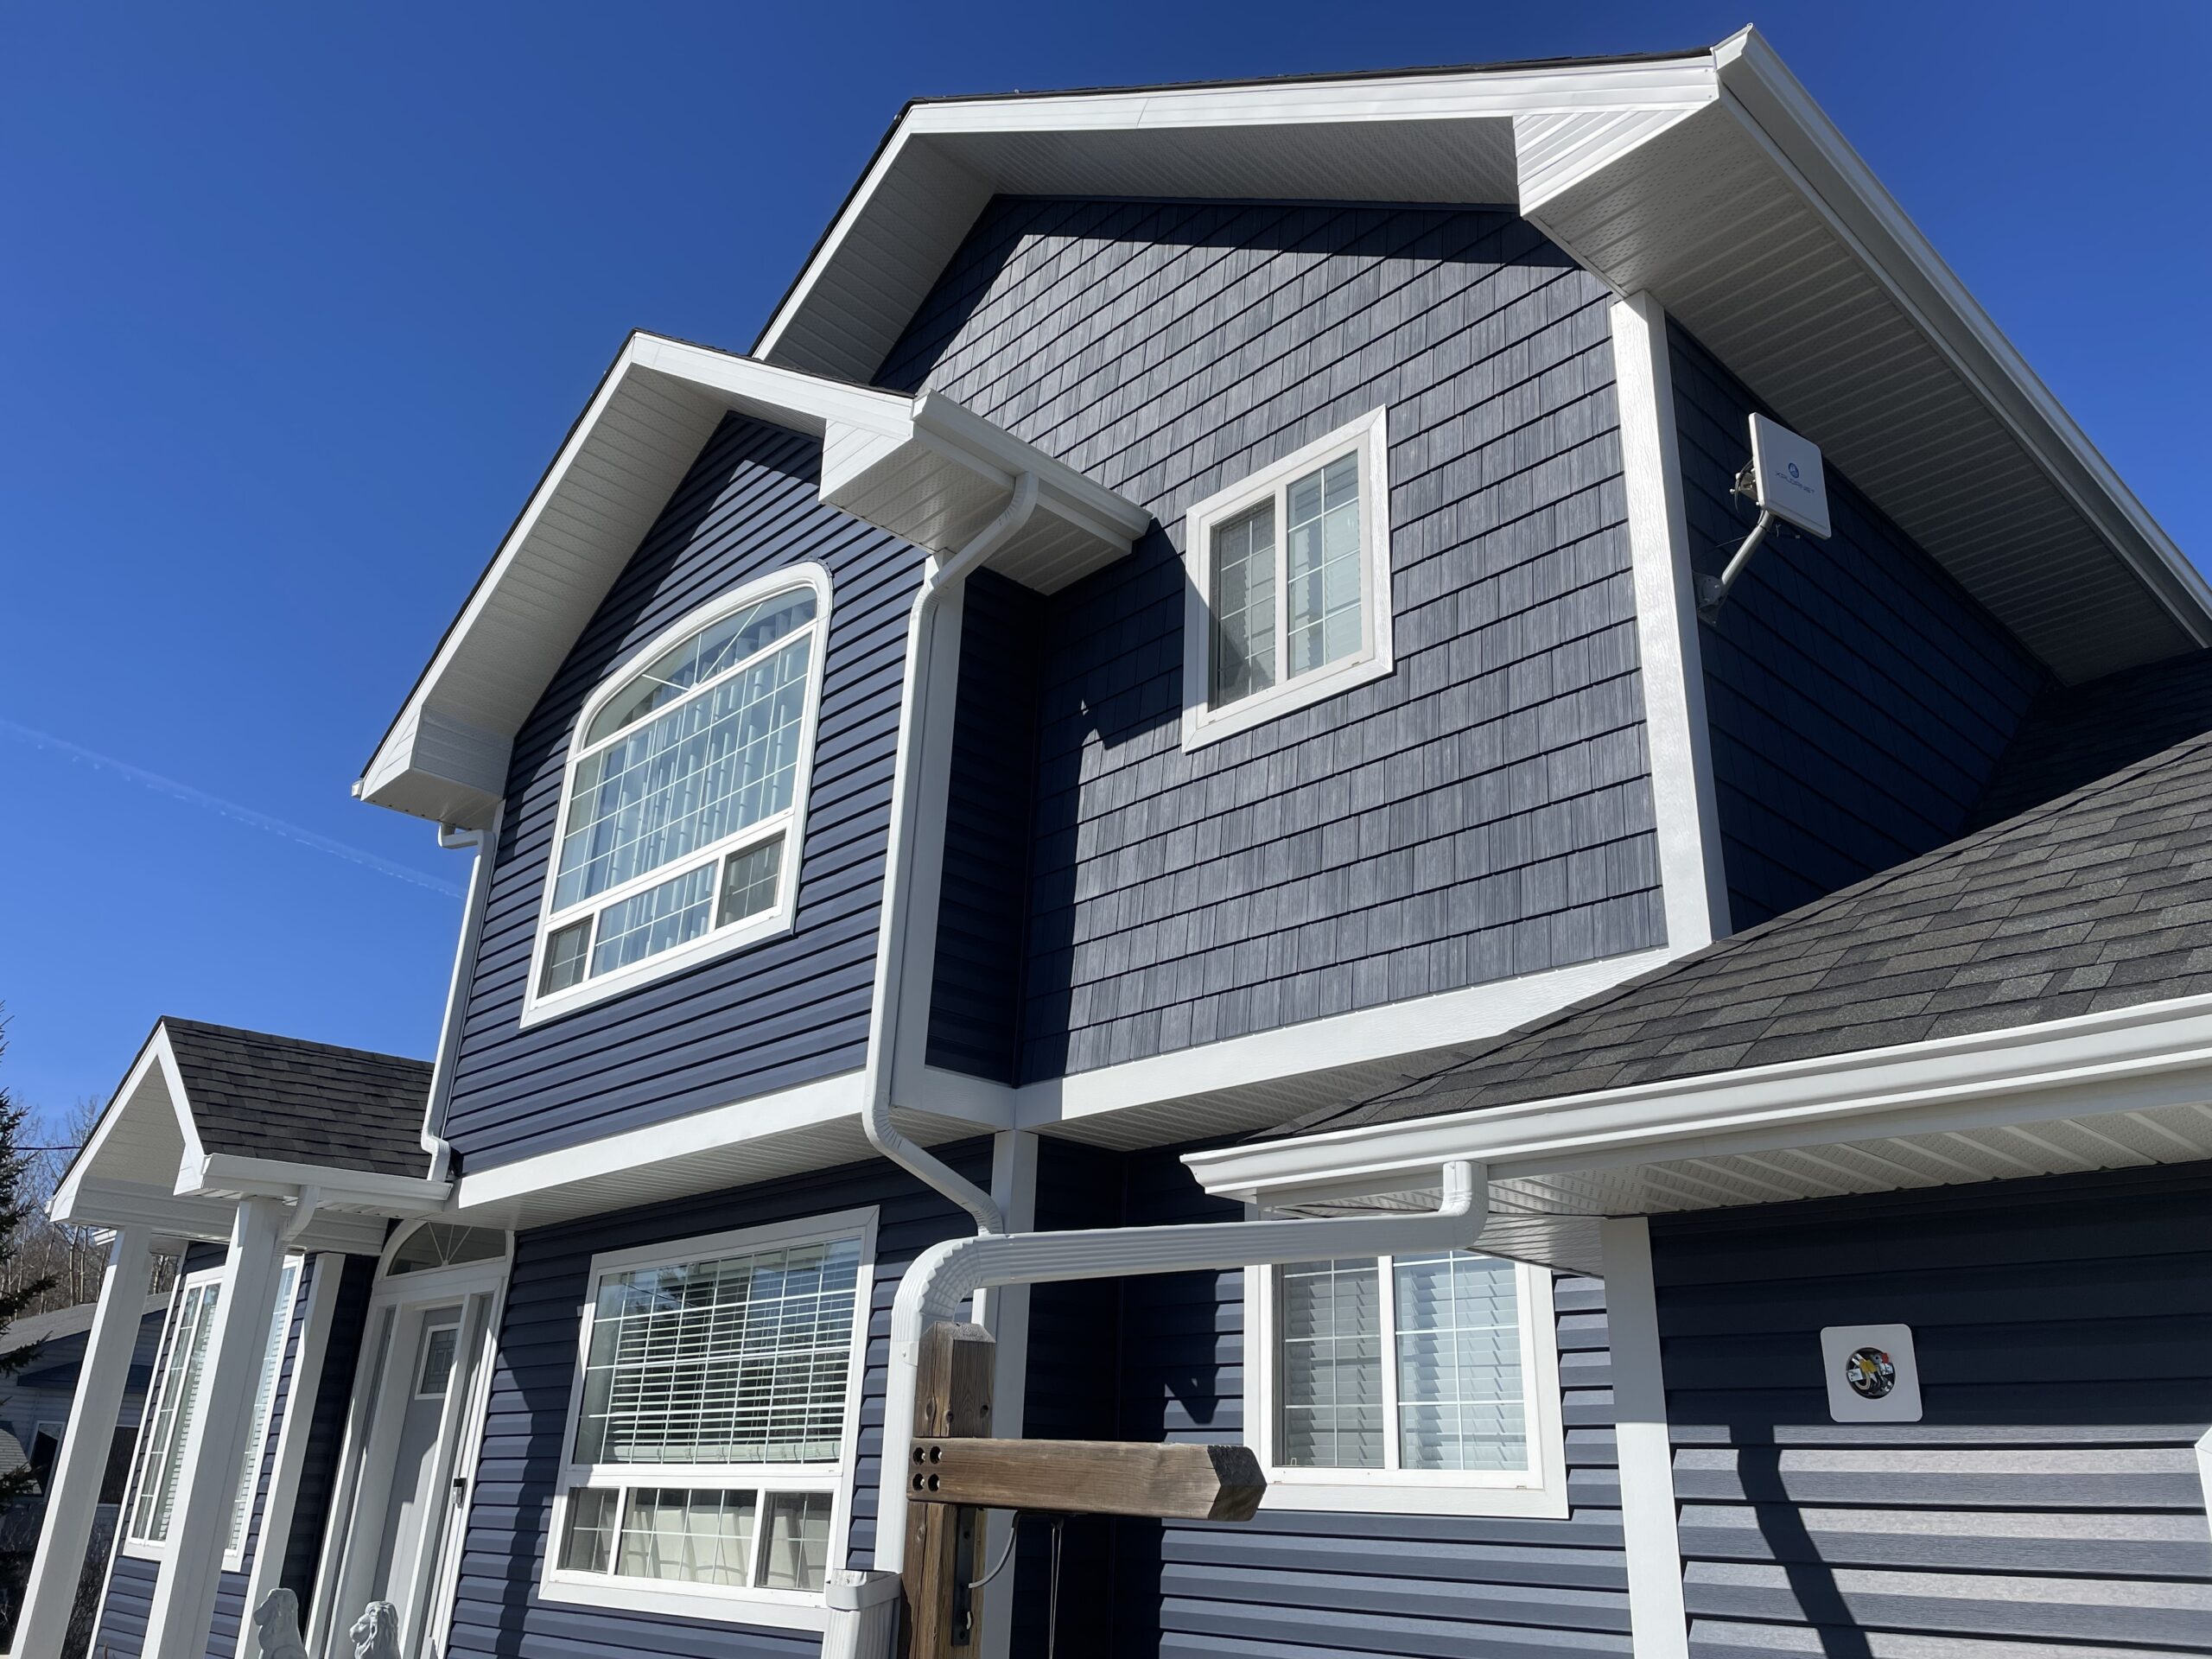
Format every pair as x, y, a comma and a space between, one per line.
184, 1596
73, 1489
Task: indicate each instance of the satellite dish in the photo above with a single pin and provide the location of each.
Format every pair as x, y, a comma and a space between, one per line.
1787, 482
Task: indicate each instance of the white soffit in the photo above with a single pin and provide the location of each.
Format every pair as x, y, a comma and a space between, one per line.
1710, 179
2127, 1088
924, 469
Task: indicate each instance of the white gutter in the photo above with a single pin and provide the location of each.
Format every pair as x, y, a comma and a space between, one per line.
947, 1274
454, 839
942, 576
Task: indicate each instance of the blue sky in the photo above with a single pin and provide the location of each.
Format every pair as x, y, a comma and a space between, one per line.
295, 303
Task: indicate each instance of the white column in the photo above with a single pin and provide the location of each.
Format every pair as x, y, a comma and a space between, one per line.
73, 1491
1658, 1628
1672, 674
291, 1444
184, 1596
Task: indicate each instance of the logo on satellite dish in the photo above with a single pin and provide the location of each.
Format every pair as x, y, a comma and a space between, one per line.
1793, 471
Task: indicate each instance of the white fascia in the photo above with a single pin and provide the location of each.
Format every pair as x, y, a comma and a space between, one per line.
2152, 1055
1771, 101
154, 1067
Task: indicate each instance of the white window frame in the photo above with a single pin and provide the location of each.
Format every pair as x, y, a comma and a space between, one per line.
281, 1316
422, 1359
1369, 438
789, 823
779, 1608
158, 1549
1538, 1490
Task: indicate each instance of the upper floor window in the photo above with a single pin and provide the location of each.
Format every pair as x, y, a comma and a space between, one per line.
686, 794
1410, 1384
1289, 584
710, 1431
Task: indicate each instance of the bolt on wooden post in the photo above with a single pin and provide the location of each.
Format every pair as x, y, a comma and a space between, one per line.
955, 1472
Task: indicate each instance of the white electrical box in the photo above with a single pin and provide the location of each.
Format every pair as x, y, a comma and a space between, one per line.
1872, 1376
1791, 485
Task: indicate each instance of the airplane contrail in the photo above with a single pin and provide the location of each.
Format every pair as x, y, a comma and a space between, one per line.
215, 803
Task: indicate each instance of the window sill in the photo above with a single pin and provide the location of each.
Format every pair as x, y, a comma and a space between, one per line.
1202, 725
139, 1550
768, 1609
1354, 1492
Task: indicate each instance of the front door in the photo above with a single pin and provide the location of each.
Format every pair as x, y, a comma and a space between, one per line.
404, 1486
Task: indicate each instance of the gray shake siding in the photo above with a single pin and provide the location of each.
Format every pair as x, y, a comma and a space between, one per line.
129, 1598
1858, 701
1163, 1358
2048, 1504
497, 1611
781, 1012
1486, 810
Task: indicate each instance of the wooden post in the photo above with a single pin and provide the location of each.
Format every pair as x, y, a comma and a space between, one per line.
952, 1397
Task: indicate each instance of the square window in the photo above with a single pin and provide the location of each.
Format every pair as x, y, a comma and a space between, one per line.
710, 1435
1424, 1384
1289, 584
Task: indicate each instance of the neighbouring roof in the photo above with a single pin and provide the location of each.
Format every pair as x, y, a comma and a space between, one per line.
1709, 179
278, 1099
2096, 900
66, 1322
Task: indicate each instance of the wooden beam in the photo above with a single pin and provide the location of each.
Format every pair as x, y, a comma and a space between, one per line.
1169, 1483
952, 1398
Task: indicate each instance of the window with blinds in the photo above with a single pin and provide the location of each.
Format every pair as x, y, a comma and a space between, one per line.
709, 1429
1408, 1363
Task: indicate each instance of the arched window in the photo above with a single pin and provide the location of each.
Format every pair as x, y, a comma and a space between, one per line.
680, 822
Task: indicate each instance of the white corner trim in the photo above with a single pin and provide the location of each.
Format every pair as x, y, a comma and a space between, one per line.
1413, 1026
1537, 1493
804, 1106
1658, 1627
2204, 1470
1672, 674
2154, 1053
1369, 438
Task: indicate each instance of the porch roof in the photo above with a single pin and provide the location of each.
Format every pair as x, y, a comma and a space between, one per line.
209, 1114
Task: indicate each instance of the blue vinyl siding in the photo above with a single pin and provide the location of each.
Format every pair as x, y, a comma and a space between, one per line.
974, 994
327, 1428
1858, 701
1163, 1358
785, 1012
497, 1610
1486, 810
2048, 1503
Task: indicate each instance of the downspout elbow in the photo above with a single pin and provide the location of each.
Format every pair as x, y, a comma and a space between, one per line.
942, 576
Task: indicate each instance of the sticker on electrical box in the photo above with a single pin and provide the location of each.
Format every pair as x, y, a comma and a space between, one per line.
1873, 1376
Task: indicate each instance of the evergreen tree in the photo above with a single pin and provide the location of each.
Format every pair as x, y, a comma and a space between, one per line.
15, 1207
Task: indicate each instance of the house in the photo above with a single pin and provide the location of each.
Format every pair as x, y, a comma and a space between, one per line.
1148, 765
34, 1401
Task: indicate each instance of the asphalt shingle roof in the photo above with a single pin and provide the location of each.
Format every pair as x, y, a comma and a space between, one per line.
258, 1096
2098, 900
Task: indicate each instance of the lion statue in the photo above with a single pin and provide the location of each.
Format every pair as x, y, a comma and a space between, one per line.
376, 1632
277, 1621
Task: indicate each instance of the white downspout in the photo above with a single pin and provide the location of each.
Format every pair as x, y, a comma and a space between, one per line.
946, 1275
942, 576
464, 968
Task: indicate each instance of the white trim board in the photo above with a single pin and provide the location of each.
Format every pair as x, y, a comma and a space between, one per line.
2147, 1058
1658, 1626
1671, 670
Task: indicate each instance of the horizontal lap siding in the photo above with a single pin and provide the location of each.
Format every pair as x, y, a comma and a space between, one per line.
2047, 1504
1858, 701
1163, 1358
975, 993
327, 1428
785, 1012
497, 1610
1486, 810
